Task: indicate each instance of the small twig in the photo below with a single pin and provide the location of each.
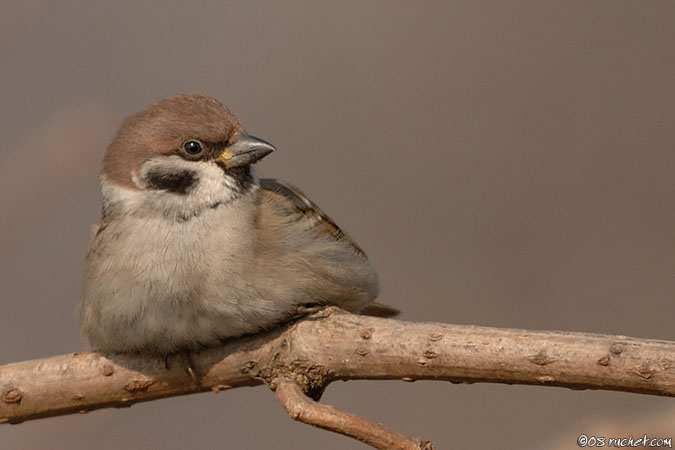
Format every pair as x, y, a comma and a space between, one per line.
305, 410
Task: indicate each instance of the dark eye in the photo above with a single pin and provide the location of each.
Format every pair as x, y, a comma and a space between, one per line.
192, 147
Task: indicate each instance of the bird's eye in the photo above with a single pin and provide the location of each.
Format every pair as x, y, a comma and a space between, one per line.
192, 147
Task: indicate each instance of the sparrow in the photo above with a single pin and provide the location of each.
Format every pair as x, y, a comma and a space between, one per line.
194, 248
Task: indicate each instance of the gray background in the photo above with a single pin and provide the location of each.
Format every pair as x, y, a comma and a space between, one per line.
503, 163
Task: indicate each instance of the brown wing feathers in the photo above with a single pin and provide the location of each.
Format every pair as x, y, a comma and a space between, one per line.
308, 208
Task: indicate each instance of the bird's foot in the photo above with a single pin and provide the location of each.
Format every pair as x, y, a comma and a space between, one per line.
190, 366
190, 369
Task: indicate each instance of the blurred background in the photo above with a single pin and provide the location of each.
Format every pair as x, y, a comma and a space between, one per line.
504, 164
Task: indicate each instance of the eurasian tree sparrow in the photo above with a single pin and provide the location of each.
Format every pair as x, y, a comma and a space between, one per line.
194, 248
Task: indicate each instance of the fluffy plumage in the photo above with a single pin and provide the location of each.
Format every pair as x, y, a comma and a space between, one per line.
194, 248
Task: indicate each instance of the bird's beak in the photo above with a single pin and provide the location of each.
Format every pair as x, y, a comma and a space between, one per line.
244, 150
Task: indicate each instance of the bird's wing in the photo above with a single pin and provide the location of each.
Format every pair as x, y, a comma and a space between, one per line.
324, 224
309, 209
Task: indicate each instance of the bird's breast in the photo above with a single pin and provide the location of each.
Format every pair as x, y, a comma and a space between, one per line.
148, 280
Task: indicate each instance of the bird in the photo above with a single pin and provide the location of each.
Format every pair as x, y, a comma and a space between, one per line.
194, 248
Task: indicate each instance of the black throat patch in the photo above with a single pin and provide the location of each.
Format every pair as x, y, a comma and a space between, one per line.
241, 176
177, 182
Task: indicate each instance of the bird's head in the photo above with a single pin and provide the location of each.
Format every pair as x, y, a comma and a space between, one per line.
181, 154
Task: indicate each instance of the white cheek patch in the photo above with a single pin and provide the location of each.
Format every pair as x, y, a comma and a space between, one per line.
209, 187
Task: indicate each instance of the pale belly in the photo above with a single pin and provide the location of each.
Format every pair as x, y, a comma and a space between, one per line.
174, 288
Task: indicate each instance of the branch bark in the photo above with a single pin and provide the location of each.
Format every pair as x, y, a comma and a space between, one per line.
303, 409
334, 345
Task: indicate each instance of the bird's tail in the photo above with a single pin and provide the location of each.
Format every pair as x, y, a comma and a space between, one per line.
376, 309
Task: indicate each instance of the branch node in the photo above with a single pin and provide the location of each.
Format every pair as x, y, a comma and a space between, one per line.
644, 371
138, 385
541, 359
13, 395
107, 370
617, 348
604, 361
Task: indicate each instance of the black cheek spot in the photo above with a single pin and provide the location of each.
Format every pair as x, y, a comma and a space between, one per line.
176, 182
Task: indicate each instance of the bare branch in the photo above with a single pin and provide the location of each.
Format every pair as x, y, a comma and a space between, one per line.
303, 409
333, 345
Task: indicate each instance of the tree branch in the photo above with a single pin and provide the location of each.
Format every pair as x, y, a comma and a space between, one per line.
334, 345
303, 409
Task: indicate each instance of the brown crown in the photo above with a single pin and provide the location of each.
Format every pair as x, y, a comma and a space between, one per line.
161, 128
